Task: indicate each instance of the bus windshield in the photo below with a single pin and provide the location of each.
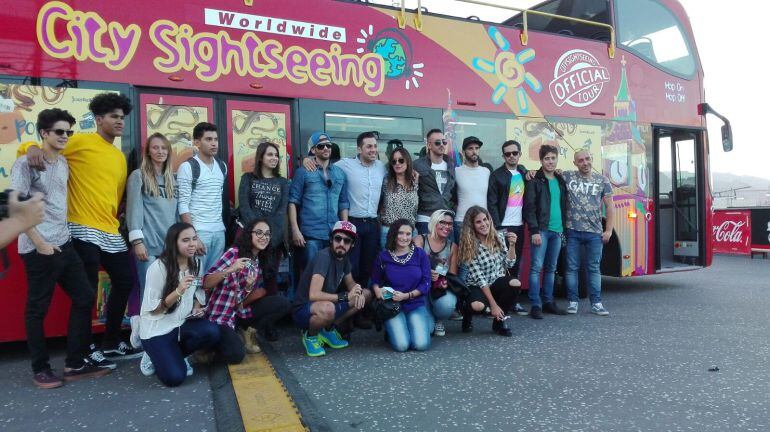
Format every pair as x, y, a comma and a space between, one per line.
651, 31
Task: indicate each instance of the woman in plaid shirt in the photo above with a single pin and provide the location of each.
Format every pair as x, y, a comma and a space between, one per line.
488, 257
237, 301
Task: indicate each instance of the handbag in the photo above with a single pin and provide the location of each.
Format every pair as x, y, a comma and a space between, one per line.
385, 310
457, 286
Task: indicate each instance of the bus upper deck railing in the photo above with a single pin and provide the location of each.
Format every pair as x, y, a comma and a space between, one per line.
525, 30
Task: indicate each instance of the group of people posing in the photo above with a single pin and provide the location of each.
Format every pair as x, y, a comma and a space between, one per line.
422, 239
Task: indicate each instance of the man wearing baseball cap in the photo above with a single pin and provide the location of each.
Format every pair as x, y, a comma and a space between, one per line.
318, 307
317, 199
472, 181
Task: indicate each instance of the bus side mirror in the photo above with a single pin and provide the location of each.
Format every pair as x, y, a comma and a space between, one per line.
727, 137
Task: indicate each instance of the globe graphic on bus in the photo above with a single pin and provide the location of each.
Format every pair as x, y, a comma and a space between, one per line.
394, 55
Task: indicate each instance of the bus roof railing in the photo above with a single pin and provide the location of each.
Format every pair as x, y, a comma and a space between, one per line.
525, 30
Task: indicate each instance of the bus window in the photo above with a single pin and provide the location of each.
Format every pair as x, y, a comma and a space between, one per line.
648, 29
589, 10
345, 127
489, 128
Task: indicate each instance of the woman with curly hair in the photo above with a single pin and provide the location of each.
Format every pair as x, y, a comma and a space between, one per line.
237, 302
488, 257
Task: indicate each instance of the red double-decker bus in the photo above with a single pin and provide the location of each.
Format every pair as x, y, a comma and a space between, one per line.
621, 78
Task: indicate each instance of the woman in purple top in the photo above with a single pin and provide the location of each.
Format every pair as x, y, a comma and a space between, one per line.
406, 270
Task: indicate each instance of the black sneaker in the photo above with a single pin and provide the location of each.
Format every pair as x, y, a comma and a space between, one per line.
536, 313
501, 328
551, 308
97, 358
88, 370
47, 379
123, 352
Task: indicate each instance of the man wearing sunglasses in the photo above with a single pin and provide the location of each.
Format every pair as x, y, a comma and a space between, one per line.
318, 308
505, 200
437, 184
49, 257
317, 200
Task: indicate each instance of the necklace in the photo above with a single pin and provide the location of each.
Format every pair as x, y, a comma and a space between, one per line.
405, 259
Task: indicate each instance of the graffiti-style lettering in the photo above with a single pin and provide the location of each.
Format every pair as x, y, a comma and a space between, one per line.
211, 55
84, 36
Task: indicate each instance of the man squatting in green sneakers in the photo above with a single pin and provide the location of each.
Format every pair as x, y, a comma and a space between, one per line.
318, 308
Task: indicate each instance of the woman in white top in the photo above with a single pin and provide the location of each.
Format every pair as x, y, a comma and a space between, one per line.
170, 325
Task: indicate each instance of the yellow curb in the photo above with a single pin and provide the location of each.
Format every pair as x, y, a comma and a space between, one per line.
264, 403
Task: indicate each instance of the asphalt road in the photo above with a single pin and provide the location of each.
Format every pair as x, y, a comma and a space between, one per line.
644, 368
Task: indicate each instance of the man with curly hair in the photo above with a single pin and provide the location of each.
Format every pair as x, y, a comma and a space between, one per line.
94, 191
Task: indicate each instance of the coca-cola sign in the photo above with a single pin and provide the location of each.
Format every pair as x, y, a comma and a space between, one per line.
732, 232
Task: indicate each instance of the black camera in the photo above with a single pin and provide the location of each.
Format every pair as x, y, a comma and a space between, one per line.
4, 198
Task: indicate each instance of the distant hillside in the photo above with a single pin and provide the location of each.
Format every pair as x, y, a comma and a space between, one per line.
754, 195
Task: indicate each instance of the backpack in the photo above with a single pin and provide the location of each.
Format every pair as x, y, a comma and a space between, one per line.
227, 210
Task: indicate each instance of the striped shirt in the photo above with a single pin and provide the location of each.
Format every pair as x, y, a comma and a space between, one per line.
110, 243
205, 206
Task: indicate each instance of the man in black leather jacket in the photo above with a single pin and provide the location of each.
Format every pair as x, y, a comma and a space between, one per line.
545, 211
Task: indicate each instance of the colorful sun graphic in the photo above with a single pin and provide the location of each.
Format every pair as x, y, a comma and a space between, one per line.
508, 67
396, 49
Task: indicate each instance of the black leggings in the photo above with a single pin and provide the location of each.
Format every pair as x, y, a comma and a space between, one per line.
503, 293
265, 311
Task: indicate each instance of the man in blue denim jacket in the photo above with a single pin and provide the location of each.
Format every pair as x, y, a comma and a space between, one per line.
317, 200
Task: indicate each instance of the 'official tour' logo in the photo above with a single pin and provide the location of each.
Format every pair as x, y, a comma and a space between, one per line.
578, 79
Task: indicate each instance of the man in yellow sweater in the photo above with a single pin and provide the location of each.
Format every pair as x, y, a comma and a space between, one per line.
95, 189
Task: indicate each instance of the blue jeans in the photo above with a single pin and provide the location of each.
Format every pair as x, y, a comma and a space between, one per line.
411, 329
444, 306
141, 273
168, 351
593, 250
311, 249
543, 258
365, 249
215, 247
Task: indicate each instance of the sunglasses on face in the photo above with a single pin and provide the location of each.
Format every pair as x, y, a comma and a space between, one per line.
61, 132
511, 153
343, 239
323, 146
398, 161
440, 142
261, 234
445, 223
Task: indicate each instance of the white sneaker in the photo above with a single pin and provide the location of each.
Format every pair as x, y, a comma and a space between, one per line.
146, 366
598, 309
136, 342
572, 308
439, 329
189, 366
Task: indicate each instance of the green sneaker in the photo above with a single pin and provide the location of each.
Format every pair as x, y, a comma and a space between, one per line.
332, 338
312, 345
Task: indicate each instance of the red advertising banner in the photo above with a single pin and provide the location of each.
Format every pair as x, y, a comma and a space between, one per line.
732, 232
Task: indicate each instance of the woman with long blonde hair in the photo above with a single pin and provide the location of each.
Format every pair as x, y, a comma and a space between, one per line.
488, 255
150, 209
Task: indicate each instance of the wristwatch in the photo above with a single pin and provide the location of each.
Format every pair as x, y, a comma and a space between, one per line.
341, 297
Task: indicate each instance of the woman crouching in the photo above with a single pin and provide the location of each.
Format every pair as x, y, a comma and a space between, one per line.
407, 270
170, 325
236, 303
488, 258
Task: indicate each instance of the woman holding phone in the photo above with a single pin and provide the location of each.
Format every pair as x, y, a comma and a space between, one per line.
442, 253
237, 302
407, 270
173, 299
488, 255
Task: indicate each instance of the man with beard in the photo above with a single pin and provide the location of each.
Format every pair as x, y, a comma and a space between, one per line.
317, 200
318, 307
472, 181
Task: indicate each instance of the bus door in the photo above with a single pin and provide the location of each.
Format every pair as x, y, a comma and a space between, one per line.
679, 200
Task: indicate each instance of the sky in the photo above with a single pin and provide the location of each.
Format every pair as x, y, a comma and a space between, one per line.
725, 34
